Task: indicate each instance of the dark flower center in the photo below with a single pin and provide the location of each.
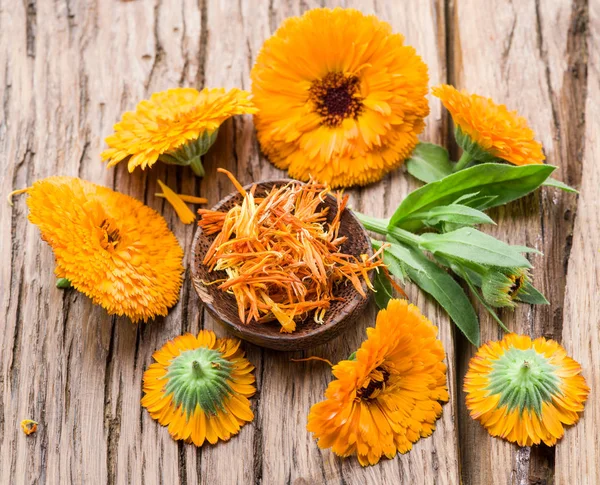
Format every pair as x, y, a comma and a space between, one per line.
377, 381
336, 97
518, 282
112, 233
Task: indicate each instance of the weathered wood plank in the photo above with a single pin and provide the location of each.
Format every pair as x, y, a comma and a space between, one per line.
577, 454
520, 58
69, 69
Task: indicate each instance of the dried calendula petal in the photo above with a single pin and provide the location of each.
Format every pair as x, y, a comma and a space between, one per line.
190, 199
29, 426
282, 257
183, 211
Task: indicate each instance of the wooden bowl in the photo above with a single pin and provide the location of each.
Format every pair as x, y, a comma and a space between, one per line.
223, 306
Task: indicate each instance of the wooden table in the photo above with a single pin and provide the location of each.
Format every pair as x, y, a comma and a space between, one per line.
68, 69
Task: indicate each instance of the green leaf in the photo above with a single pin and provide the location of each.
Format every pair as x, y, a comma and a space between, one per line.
458, 214
530, 294
440, 285
383, 289
394, 266
550, 182
471, 245
485, 201
526, 249
429, 162
504, 182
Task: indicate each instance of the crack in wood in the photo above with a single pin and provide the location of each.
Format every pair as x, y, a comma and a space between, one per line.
203, 44
31, 26
112, 421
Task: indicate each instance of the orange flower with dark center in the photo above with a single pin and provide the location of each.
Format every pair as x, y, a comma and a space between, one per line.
341, 98
389, 395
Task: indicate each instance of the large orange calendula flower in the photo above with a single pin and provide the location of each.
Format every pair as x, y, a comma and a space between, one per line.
525, 391
389, 396
487, 131
110, 246
340, 97
176, 126
199, 387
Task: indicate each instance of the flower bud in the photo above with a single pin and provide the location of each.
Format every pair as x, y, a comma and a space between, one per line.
500, 288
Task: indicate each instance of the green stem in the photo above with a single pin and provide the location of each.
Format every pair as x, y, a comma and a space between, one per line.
380, 226
196, 166
465, 159
197, 369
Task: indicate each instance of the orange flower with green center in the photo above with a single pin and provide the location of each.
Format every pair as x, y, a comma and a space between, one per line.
487, 131
389, 395
109, 246
199, 387
525, 391
340, 97
176, 126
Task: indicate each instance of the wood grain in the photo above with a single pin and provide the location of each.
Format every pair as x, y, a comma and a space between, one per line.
520, 59
577, 454
68, 69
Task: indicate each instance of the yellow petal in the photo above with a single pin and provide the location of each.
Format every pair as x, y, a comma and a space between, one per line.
183, 211
191, 199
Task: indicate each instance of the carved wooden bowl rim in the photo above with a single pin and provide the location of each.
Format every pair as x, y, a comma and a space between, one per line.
268, 334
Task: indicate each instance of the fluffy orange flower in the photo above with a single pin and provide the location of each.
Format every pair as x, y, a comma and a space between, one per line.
487, 131
110, 246
199, 387
389, 396
340, 97
176, 126
525, 391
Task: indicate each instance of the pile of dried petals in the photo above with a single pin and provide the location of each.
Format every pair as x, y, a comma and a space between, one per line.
281, 257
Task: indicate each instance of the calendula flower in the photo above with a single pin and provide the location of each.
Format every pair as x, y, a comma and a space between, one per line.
341, 98
109, 246
199, 387
487, 131
29, 426
176, 126
501, 287
525, 391
389, 396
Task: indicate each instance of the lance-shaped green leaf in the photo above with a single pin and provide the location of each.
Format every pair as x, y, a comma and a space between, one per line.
439, 284
471, 245
530, 294
458, 214
504, 182
394, 266
557, 184
429, 162
383, 289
